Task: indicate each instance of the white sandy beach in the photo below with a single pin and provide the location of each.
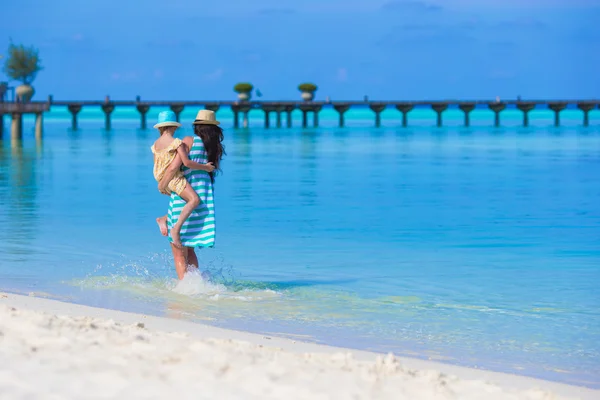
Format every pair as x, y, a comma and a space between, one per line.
55, 350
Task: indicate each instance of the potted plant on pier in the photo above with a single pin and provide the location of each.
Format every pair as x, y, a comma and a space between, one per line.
22, 64
244, 90
308, 91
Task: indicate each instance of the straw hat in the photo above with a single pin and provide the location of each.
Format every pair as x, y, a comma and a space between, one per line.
206, 117
167, 118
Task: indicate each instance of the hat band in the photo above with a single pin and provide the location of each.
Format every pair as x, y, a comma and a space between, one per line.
204, 120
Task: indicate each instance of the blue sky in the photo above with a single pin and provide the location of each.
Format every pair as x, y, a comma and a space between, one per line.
387, 49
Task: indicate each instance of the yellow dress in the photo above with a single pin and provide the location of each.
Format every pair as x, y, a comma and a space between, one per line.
162, 159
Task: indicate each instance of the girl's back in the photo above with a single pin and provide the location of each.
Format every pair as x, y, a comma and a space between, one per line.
165, 151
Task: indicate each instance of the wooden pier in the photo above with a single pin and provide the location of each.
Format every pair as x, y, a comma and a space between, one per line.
16, 110
310, 108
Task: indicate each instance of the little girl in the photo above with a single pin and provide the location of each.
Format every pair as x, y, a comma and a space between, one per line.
166, 149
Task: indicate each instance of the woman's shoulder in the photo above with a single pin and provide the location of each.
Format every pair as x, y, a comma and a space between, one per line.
195, 141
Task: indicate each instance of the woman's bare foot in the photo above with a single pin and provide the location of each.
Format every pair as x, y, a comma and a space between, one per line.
162, 224
176, 238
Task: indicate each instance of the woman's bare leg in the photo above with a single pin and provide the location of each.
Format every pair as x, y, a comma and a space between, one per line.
162, 225
191, 257
191, 202
180, 256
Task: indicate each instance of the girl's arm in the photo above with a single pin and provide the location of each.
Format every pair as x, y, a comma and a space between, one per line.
182, 152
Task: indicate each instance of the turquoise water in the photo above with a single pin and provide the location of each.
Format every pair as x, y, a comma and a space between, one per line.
479, 247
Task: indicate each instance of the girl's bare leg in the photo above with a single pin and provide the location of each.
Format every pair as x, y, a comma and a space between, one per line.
180, 257
162, 225
191, 202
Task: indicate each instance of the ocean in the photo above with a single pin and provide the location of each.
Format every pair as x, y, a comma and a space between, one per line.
474, 246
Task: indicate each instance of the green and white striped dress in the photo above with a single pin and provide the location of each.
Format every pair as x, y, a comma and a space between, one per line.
199, 229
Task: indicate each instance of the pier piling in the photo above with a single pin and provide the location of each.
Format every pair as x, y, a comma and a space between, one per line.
279, 110
404, 108
143, 110
245, 109
467, 108
108, 108
377, 108
288, 111
74, 110
525, 108
177, 109
268, 110
341, 109
497, 108
39, 126
306, 108
37, 108
237, 108
236, 116
557, 108
586, 108
439, 108
316, 110
16, 127
16, 111
212, 107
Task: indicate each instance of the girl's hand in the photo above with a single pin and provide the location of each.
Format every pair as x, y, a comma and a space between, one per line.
209, 167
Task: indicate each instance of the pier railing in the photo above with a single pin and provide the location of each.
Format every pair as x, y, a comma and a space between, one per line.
287, 107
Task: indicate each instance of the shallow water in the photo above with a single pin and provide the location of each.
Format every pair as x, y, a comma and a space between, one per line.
476, 246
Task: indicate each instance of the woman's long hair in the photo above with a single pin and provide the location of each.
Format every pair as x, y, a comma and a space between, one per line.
212, 137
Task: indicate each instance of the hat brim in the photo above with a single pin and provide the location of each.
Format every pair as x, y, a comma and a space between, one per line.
205, 122
161, 124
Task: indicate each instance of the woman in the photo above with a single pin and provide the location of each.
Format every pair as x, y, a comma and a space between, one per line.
199, 229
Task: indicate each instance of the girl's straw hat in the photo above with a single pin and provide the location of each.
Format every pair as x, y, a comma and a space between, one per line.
167, 118
206, 117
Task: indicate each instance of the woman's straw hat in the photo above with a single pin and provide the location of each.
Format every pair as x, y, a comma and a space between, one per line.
167, 118
206, 117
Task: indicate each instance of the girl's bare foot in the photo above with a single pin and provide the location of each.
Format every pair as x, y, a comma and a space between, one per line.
176, 238
162, 224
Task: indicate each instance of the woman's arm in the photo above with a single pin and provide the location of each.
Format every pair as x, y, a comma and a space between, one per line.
182, 152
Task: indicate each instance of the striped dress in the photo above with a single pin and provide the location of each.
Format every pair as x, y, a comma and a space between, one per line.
199, 229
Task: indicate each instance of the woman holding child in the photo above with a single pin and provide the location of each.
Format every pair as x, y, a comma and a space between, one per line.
179, 166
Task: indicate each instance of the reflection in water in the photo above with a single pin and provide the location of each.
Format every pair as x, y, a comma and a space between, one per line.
242, 145
108, 181
74, 141
241, 171
108, 148
18, 191
39, 147
142, 134
4, 188
308, 168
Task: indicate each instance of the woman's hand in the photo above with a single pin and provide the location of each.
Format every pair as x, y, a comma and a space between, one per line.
209, 167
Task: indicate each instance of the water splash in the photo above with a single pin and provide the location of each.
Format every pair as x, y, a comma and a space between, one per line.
150, 278
198, 283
